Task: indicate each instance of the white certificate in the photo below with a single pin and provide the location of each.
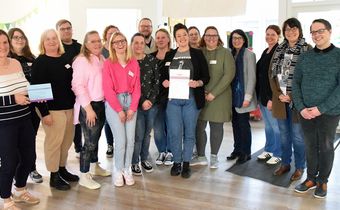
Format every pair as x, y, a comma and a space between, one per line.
40, 92
179, 83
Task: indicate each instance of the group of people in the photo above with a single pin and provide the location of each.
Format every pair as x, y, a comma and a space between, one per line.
104, 82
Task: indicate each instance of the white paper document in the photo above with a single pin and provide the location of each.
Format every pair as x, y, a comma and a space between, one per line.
179, 83
40, 92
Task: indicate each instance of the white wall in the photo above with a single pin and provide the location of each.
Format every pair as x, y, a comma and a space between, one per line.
149, 8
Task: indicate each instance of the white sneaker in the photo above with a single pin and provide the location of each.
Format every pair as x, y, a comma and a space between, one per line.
213, 161
168, 161
160, 159
118, 179
199, 160
87, 181
265, 155
96, 170
127, 174
273, 160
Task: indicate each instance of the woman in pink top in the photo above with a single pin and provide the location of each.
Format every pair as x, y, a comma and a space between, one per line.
121, 83
89, 107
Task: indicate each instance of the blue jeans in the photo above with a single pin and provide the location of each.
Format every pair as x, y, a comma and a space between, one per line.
160, 130
144, 124
89, 152
291, 137
273, 139
124, 133
241, 132
182, 117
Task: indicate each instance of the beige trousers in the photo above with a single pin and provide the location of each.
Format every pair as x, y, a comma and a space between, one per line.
58, 139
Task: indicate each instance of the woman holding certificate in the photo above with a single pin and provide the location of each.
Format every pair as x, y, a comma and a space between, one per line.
56, 115
89, 108
122, 90
17, 144
185, 74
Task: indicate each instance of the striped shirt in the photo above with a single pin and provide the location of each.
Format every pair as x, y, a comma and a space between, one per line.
10, 85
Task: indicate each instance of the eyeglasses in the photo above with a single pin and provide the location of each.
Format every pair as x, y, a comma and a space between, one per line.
320, 31
65, 29
18, 38
294, 29
145, 26
119, 42
237, 38
211, 36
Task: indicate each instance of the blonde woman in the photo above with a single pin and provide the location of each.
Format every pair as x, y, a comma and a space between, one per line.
89, 107
121, 85
53, 67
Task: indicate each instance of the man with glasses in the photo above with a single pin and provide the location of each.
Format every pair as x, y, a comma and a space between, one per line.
316, 95
72, 49
145, 28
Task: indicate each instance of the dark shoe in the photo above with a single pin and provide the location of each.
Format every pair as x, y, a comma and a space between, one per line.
67, 176
36, 177
305, 186
176, 169
57, 182
321, 190
186, 171
282, 170
109, 152
296, 175
147, 166
242, 159
233, 156
136, 170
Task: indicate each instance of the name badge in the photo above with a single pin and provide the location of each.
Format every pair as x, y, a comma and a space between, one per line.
131, 73
213, 62
67, 66
29, 63
167, 63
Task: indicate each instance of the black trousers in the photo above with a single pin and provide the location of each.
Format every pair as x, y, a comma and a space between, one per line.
17, 154
319, 136
241, 132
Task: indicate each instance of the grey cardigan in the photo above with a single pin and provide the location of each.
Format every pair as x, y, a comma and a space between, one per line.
249, 75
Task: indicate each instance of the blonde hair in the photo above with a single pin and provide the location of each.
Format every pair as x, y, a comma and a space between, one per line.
84, 51
42, 39
113, 54
167, 34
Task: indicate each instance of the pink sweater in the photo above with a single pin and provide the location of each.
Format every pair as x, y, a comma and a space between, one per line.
87, 82
118, 79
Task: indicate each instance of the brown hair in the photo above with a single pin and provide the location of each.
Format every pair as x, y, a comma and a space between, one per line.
61, 22
275, 28
84, 51
26, 51
219, 42
167, 34
107, 28
2, 32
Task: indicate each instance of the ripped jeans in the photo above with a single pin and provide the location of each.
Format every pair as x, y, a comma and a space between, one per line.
89, 152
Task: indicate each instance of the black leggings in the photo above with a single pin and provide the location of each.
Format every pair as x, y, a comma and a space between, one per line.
17, 154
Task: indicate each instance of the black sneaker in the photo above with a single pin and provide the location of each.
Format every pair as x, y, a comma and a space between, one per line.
321, 190
305, 186
176, 169
109, 152
58, 183
36, 177
186, 171
136, 170
147, 166
67, 176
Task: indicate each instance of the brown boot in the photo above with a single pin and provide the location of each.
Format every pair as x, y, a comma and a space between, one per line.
282, 170
296, 175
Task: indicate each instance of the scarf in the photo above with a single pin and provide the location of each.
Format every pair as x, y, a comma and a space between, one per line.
237, 84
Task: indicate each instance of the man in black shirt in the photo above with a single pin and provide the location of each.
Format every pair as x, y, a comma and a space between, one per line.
72, 49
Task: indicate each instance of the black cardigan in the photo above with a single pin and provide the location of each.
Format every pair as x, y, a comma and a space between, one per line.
201, 72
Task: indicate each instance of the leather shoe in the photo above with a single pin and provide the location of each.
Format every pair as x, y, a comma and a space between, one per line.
233, 156
296, 175
282, 170
242, 159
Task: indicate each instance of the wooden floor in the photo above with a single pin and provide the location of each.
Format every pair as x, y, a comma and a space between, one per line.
206, 189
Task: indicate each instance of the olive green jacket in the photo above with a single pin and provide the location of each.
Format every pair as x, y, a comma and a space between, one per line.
222, 71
